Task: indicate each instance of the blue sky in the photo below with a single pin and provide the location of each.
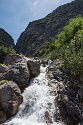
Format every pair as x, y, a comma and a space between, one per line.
16, 14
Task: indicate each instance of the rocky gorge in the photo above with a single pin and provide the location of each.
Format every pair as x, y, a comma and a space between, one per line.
31, 93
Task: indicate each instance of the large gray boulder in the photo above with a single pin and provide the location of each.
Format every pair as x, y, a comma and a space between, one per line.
11, 59
10, 98
34, 67
22, 69
19, 73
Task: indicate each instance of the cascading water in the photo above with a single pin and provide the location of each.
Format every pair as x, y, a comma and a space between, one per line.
38, 104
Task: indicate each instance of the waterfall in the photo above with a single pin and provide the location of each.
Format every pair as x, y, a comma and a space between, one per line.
38, 106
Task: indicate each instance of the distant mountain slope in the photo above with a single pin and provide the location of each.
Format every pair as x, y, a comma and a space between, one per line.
6, 39
6, 45
40, 31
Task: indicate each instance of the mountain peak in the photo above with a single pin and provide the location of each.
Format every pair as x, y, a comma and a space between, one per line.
6, 38
43, 30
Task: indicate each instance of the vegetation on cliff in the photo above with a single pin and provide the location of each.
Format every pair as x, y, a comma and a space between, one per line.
3, 82
4, 50
6, 45
68, 47
40, 31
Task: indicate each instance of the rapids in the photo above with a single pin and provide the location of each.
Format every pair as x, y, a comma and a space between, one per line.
38, 104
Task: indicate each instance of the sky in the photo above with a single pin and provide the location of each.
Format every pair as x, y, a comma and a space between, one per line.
15, 15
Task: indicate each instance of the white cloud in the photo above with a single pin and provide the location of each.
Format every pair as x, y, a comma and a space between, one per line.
35, 3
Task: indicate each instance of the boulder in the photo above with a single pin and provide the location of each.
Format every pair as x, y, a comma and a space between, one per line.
19, 73
48, 118
12, 58
3, 68
21, 70
2, 116
34, 67
10, 99
44, 62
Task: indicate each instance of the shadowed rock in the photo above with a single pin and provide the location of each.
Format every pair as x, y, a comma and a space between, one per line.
10, 99
34, 67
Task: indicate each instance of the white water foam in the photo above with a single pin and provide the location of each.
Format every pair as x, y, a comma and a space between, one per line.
38, 104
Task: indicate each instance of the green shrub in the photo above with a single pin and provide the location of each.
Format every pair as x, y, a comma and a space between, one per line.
3, 82
70, 46
44, 50
2, 64
4, 50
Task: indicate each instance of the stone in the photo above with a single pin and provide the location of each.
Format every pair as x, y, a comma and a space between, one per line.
12, 58
48, 118
19, 73
44, 62
10, 98
22, 69
2, 116
34, 67
3, 68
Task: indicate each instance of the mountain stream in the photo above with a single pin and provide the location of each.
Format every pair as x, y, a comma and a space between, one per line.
38, 106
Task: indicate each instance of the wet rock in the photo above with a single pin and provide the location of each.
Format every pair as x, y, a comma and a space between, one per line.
48, 118
10, 98
44, 62
34, 67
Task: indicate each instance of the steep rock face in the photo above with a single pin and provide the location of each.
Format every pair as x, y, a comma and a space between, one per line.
40, 31
6, 38
69, 98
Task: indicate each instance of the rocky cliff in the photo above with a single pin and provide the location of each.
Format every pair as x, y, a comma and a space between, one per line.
69, 97
5, 38
47, 29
